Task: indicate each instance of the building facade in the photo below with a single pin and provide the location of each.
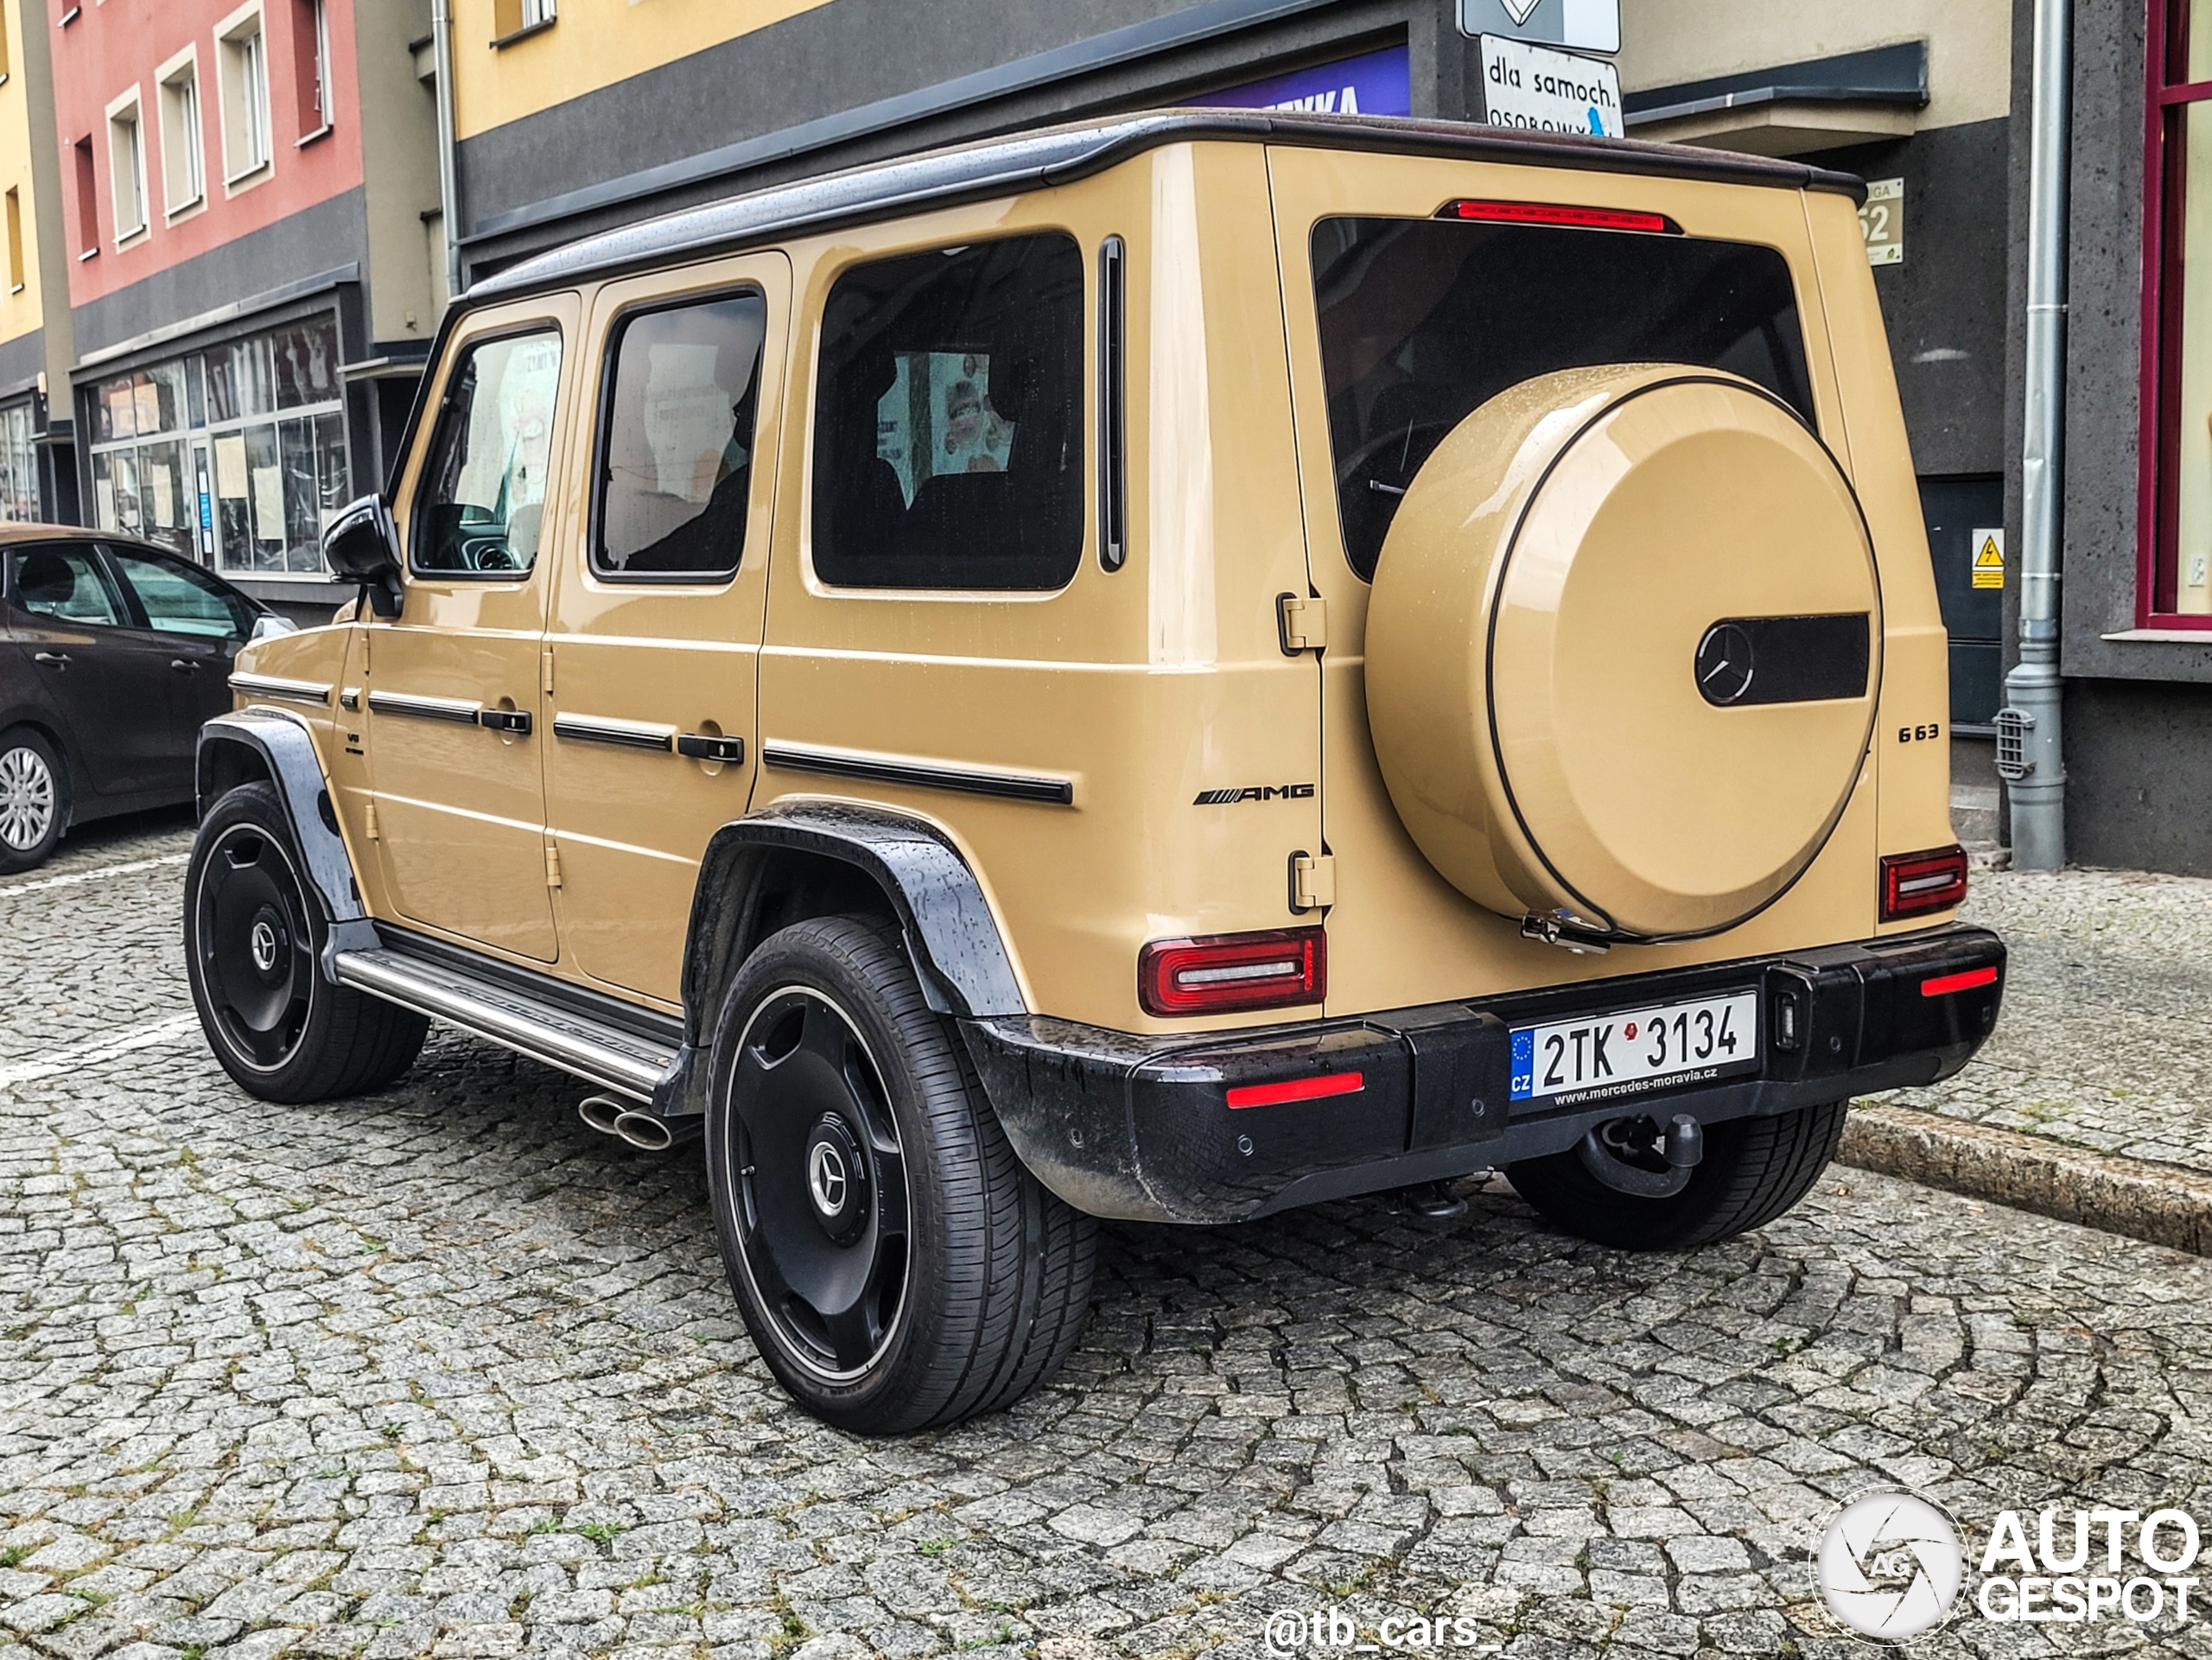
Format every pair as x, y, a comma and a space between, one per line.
251, 287
38, 479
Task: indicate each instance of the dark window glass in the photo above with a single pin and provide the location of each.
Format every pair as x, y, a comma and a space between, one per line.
482, 500
63, 584
949, 432
1423, 321
179, 600
678, 440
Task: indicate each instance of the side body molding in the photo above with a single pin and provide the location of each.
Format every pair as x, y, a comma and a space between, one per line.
255, 742
951, 933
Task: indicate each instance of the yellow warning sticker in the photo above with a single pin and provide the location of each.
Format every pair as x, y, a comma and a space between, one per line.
1989, 559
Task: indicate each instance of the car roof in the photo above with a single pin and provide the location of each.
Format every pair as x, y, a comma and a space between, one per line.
1056, 155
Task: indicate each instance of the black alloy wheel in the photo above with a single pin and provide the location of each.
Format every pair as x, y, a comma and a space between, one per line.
897, 1268
252, 943
820, 1182
256, 955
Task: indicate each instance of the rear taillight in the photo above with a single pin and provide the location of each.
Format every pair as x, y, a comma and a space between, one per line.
1914, 884
1561, 214
1233, 974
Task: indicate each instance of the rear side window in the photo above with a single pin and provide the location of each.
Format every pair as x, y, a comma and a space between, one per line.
949, 432
680, 410
1423, 321
482, 507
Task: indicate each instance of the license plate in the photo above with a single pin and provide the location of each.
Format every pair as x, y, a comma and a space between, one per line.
1603, 1056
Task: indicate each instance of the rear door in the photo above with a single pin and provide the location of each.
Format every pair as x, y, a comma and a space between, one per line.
655, 641
65, 615
173, 661
455, 716
1408, 311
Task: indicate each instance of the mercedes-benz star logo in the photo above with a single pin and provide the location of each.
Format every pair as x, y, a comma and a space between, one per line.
1890, 1566
1724, 665
826, 1177
263, 944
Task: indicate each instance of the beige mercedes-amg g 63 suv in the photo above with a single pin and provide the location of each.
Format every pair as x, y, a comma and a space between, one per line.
1166, 669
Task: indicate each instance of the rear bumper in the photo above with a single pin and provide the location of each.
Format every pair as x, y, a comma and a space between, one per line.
1140, 1127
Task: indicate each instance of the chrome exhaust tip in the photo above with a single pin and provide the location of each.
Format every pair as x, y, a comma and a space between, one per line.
644, 1130
603, 1113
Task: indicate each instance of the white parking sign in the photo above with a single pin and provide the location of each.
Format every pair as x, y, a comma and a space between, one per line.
1535, 89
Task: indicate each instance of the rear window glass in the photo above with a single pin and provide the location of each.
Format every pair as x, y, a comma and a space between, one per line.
948, 433
1423, 321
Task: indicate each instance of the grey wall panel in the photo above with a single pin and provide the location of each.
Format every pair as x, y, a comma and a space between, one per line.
314, 239
2138, 763
22, 358
1945, 305
853, 52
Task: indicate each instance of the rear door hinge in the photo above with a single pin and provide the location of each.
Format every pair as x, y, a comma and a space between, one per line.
545, 675
1313, 881
369, 821
552, 866
1301, 623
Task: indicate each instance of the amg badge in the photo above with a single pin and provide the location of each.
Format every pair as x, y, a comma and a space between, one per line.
1257, 792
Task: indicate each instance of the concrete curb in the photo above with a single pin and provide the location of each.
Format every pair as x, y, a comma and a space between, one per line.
2163, 1203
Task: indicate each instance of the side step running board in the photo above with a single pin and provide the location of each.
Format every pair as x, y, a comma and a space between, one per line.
625, 1062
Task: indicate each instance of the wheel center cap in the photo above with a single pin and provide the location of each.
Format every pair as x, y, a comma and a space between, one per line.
264, 942
836, 1179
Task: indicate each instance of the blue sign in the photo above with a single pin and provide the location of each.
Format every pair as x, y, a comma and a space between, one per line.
1376, 83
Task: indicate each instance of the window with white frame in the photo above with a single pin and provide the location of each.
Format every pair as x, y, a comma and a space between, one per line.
183, 148
311, 67
242, 53
126, 158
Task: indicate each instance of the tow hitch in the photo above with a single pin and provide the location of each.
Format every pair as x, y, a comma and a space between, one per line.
1635, 1156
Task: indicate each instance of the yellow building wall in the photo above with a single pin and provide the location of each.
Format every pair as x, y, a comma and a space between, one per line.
20, 313
593, 44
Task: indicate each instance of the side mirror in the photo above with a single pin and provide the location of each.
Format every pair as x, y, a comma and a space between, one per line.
271, 627
362, 545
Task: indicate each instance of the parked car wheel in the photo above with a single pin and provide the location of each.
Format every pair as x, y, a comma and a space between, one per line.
34, 800
251, 939
897, 1266
1754, 1169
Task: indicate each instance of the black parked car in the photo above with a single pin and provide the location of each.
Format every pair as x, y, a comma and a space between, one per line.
111, 654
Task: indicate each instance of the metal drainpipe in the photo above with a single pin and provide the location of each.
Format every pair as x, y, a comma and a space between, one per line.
2030, 756
449, 172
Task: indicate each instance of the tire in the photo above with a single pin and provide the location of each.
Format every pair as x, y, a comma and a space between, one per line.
1754, 1170
915, 1273
252, 945
34, 800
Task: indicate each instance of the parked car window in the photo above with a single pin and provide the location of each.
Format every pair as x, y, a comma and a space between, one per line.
1423, 321
677, 440
949, 430
483, 495
179, 600
63, 584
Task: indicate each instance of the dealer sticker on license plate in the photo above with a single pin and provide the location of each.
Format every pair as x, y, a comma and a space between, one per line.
1605, 1056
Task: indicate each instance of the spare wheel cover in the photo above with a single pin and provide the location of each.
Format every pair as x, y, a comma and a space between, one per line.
1624, 650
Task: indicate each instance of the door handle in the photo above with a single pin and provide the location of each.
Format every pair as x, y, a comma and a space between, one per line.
183, 666
515, 721
699, 747
59, 659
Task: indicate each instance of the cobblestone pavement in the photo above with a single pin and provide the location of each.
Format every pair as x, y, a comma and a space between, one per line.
2103, 1041
442, 1372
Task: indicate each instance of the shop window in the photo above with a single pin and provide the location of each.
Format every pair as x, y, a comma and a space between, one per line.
236, 455
15, 278
949, 422
183, 144
311, 67
18, 466
2176, 585
678, 441
242, 52
1425, 321
126, 160
481, 505
88, 200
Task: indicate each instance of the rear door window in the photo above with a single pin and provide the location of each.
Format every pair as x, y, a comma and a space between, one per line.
1423, 321
949, 430
65, 583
